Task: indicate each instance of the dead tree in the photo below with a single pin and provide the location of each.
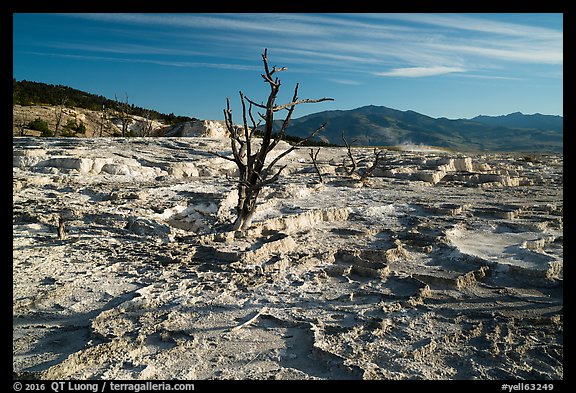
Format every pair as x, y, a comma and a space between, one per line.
23, 124
253, 171
122, 108
364, 176
61, 228
147, 125
369, 170
102, 119
314, 157
58, 110
350, 171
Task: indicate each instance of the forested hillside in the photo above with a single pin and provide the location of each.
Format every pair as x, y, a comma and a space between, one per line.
36, 93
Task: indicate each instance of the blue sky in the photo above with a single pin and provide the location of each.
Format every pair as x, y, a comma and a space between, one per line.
441, 65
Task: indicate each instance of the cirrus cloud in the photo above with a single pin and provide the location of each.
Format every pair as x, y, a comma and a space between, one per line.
417, 72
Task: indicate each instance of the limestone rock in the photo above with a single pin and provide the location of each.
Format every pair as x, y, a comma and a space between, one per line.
199, 128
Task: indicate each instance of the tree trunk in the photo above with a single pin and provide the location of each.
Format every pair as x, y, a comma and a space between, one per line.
246, 207
61, 229
244, 220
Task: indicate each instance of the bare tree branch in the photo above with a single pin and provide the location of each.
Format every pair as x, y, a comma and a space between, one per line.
264, 183
305, 101
314, 157
268, 76
274, 69
292, 148
222, 156
256, 104
350, 155
232, 133
249, 321
286, 120
247, 139
372, 167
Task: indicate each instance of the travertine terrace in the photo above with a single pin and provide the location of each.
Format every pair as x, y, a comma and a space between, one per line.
441, 265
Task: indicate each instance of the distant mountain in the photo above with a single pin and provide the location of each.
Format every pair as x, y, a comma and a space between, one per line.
520, 120
382, 126
369, 125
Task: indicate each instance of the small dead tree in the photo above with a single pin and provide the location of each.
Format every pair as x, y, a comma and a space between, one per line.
122, 108
23, 124
369, 170
58, 111
366, 174
102, 119
253, 171
350, 171
314, 156
61, 228
147, 125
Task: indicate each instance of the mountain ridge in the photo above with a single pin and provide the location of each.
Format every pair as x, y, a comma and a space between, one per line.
373, 125
521, 120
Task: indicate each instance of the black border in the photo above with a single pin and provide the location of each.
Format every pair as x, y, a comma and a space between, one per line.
8, 7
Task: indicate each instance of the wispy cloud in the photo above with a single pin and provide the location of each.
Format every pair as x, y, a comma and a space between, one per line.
124, 48
518, 52
477, 24
495, 77
417, 72
345, 81
409, 45
270, 23
189, 64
